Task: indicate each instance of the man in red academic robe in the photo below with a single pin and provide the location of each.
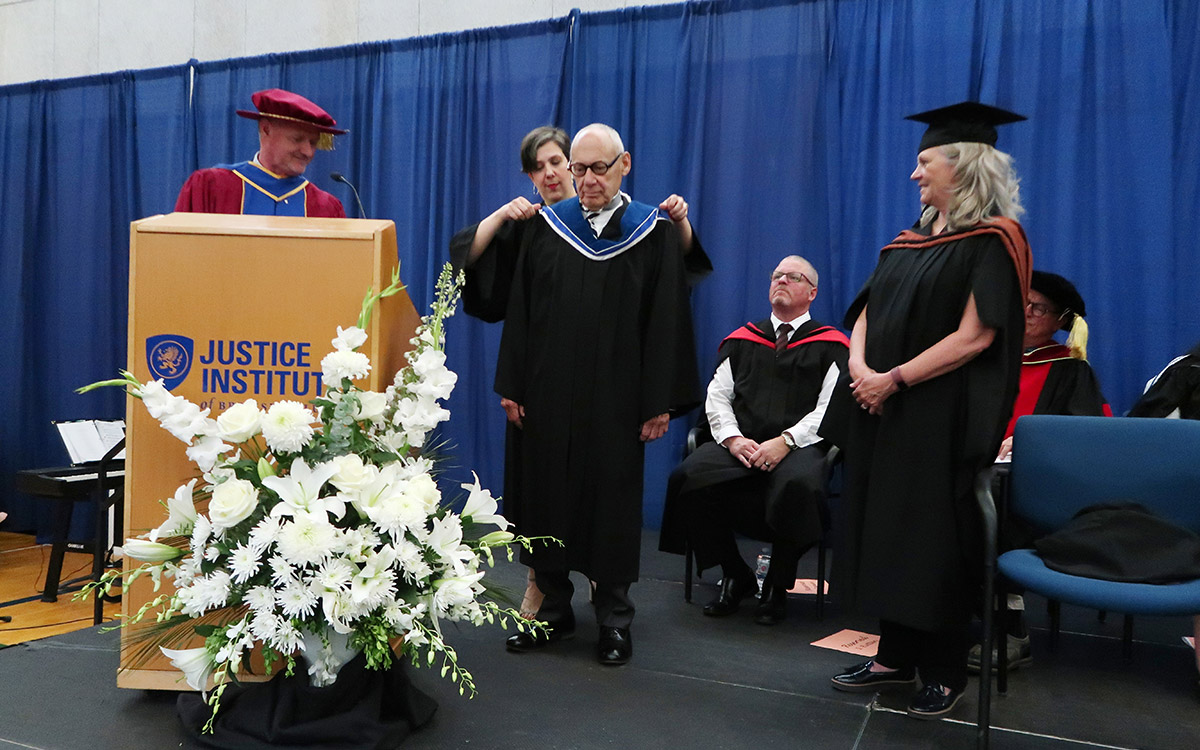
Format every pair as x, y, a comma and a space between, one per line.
290, 130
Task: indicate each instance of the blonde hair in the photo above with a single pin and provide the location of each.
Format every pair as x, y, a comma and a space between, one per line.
985, 185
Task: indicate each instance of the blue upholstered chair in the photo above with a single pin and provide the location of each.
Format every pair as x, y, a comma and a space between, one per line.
1064, 464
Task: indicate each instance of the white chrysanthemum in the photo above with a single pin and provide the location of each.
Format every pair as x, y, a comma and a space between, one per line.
244, 563
264, 533
201, 532
282, 571
342, 363
411, 560
358, 544
307, 540
349, 338
211, 553
297, 599
205, 593
288, 639
334, 575
261, 599
288, 426
264, 625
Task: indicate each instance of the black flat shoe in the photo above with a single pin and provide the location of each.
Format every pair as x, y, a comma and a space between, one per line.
615, 646
532, 640
932, 703
733, 591
861, 679
772, 606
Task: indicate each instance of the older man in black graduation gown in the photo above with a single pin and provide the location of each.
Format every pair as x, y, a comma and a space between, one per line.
763, 474
596, 354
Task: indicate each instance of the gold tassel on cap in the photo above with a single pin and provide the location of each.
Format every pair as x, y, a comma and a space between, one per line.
325, 141
1077, 339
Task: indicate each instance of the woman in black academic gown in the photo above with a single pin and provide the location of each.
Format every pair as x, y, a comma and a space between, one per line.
935, 353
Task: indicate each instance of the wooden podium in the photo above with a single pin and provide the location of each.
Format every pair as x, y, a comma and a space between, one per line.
226, 308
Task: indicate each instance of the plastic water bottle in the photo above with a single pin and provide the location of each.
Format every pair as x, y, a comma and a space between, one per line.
762, 566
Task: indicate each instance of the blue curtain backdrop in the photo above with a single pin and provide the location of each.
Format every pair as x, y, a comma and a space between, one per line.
780, 122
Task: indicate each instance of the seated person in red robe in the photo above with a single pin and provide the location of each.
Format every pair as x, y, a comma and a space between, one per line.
1055, 378
763, 474
290, 130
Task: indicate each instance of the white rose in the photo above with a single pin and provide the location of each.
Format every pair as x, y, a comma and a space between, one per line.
232, 502
371, 405
423, 489
240, 422
352, 474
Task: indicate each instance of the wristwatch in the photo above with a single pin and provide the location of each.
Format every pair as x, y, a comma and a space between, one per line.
789, 441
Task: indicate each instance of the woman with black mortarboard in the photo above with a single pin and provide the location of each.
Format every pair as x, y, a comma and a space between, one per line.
935, 354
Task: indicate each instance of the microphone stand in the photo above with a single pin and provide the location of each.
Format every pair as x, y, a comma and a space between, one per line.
339, 177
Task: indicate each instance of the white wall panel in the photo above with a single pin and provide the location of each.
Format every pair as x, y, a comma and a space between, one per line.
76, 43
273, 26
221, 30
380, 20
140, 34
438, 16
65, 38
26, 41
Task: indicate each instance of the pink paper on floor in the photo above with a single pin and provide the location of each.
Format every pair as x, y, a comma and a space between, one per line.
851, 642
807, 586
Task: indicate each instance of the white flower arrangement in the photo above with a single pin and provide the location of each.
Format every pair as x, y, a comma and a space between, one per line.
321, 531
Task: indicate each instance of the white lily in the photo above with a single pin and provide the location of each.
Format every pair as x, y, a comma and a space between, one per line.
300, 490
195, 664
151, 552
481, 506
181, 513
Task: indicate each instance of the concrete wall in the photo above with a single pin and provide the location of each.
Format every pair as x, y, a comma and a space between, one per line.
42, 39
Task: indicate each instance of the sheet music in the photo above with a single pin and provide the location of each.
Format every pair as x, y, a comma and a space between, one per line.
87, 440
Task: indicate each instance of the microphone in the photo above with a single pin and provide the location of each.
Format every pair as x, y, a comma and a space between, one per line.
339, 177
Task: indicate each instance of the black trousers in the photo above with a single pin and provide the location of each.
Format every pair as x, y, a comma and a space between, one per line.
613, 606
719, 496
939, 657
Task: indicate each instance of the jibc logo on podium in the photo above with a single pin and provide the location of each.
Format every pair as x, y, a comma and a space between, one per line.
169, 357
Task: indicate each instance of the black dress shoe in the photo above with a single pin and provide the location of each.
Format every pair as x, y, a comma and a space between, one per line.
932, 702
615, 646
532, 640
772, 605
733, 590
861, 679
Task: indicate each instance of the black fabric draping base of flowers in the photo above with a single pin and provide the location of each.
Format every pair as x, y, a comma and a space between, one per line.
364, 708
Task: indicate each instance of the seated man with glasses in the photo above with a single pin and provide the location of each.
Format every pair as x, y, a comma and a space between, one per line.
596, 355
763, 474
1055, 378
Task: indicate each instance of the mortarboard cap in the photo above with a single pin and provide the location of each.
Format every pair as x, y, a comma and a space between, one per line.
969, 122
278, 104
1062, 293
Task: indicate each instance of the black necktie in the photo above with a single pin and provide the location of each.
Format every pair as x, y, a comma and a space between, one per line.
781, 337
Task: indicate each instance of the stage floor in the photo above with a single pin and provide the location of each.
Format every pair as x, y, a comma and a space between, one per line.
694, 682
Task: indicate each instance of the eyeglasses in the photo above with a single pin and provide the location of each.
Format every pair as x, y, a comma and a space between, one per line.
598, 168
795, 278
1037, 310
